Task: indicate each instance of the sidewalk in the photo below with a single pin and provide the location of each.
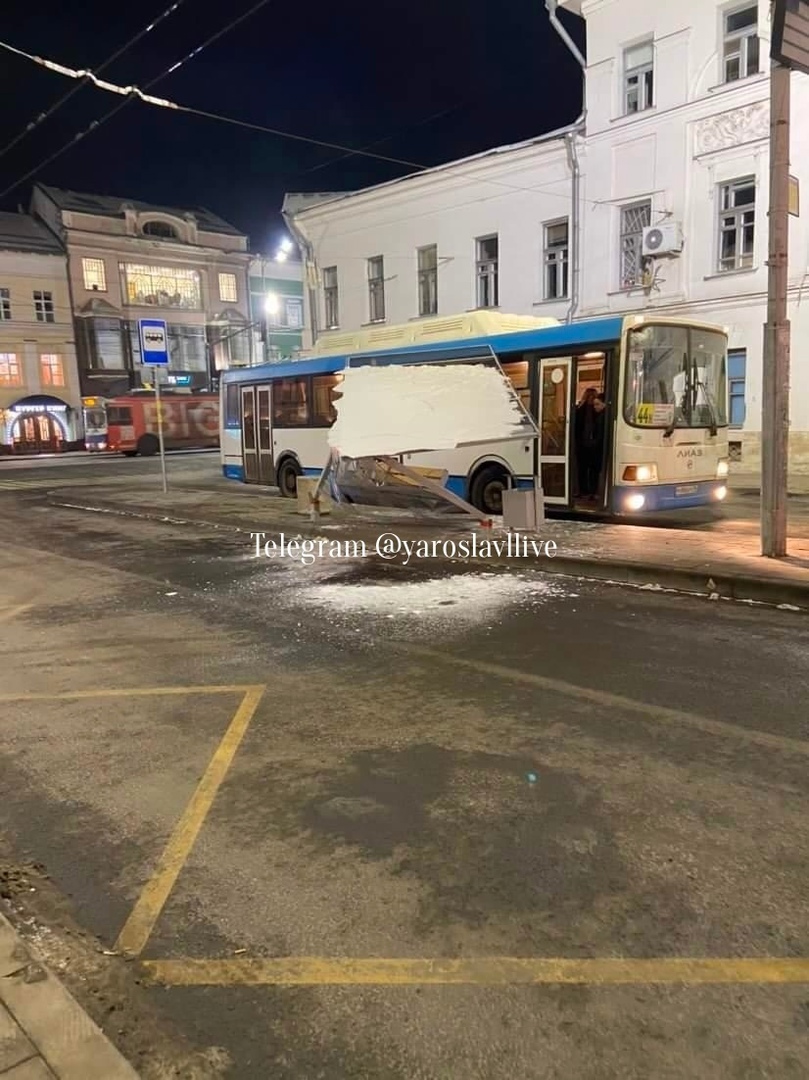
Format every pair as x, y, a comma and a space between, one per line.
44, 1033
726, 562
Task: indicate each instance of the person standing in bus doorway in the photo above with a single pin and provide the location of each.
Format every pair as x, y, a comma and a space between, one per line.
589, 434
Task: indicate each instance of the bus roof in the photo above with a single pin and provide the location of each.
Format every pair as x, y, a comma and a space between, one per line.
567, 337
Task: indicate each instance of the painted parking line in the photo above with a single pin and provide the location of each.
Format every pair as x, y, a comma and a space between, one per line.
605, 699
483, 971
152, 900
136, 691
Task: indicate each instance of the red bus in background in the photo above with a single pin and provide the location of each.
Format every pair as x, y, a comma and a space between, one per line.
190, 421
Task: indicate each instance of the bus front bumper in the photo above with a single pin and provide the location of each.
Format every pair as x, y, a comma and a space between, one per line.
649, 498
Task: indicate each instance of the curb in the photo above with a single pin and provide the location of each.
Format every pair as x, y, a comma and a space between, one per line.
706, 581
48, 1023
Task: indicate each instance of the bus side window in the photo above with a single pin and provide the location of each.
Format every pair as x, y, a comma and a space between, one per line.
323, 411
517, 374
119, 414
290, 403
232, 418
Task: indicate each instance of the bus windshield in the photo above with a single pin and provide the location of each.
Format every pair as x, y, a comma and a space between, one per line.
95, 420
676, 377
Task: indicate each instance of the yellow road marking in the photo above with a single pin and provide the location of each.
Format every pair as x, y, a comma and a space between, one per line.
136, 691
618, 701
6, 614
483, 971
140, 923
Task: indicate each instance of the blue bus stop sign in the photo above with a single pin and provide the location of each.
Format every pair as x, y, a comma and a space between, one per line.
154, 343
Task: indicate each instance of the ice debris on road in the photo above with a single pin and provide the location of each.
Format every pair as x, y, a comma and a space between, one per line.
467, 598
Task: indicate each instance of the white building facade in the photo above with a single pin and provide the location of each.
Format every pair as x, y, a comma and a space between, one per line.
674, 138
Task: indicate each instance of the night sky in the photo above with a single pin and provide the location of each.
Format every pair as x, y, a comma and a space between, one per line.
422, 80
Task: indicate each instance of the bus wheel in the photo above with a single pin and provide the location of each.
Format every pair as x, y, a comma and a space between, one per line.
148, 445
288, 473
487, 489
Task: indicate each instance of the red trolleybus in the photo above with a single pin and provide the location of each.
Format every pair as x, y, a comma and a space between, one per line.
190, 421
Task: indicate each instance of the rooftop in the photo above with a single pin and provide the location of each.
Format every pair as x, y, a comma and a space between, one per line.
20, 232
113, 206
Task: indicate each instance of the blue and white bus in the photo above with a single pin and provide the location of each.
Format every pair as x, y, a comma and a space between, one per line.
661, 382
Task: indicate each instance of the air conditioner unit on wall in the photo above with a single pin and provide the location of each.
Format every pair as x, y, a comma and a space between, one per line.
665, 239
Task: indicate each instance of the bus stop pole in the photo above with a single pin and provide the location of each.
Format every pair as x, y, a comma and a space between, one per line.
160, 428
775, 397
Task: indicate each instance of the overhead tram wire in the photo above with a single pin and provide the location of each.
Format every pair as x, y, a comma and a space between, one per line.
113, 112
35, 123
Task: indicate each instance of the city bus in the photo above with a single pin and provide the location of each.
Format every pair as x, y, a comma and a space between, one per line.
661, 384
190, 421
94, 419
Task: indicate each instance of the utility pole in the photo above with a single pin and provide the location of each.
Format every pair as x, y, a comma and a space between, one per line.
776, 359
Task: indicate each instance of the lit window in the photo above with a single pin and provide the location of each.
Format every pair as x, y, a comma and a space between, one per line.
376, 289
51, 370
737, 224
161, 286
43, 305
488, 271
227, 288
556, 260
639, 78
10, 374
95, 275
428, 280
737, 363
634, 219
294, 310
331, 297
5, 304
742, 52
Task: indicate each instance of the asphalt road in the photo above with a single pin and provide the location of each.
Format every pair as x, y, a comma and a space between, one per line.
468, 770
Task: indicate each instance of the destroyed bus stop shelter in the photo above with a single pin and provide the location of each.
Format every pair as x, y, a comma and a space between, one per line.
393, 406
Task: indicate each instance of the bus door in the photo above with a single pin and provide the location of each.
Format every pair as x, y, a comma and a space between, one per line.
554, 428
259, 467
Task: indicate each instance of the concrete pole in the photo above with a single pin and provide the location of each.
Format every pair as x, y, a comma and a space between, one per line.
776, 361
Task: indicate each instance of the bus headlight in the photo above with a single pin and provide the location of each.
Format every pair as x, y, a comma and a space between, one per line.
722, 470
640, 474
635, 502
720, 493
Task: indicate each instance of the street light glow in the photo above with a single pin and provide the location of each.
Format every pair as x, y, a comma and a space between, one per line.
286, 245
281, 256
271, 304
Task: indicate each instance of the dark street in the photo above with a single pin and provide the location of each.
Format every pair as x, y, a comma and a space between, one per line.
272, 812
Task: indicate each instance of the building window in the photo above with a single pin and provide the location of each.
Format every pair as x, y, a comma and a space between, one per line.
105, 344
51, 370
376, 289
556, 260
160, 229
331, 297
737, 224
294, 312
639, 78
488, 284
741, 48
161, 286
737, 364
428, 280
5, 305
10, 374
634, 219
43, 305
227, 288
95, 275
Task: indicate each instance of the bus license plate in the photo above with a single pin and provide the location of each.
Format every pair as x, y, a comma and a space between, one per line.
686, 489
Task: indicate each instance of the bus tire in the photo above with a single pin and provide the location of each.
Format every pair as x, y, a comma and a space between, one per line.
148, 445
487, 487
287, 476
